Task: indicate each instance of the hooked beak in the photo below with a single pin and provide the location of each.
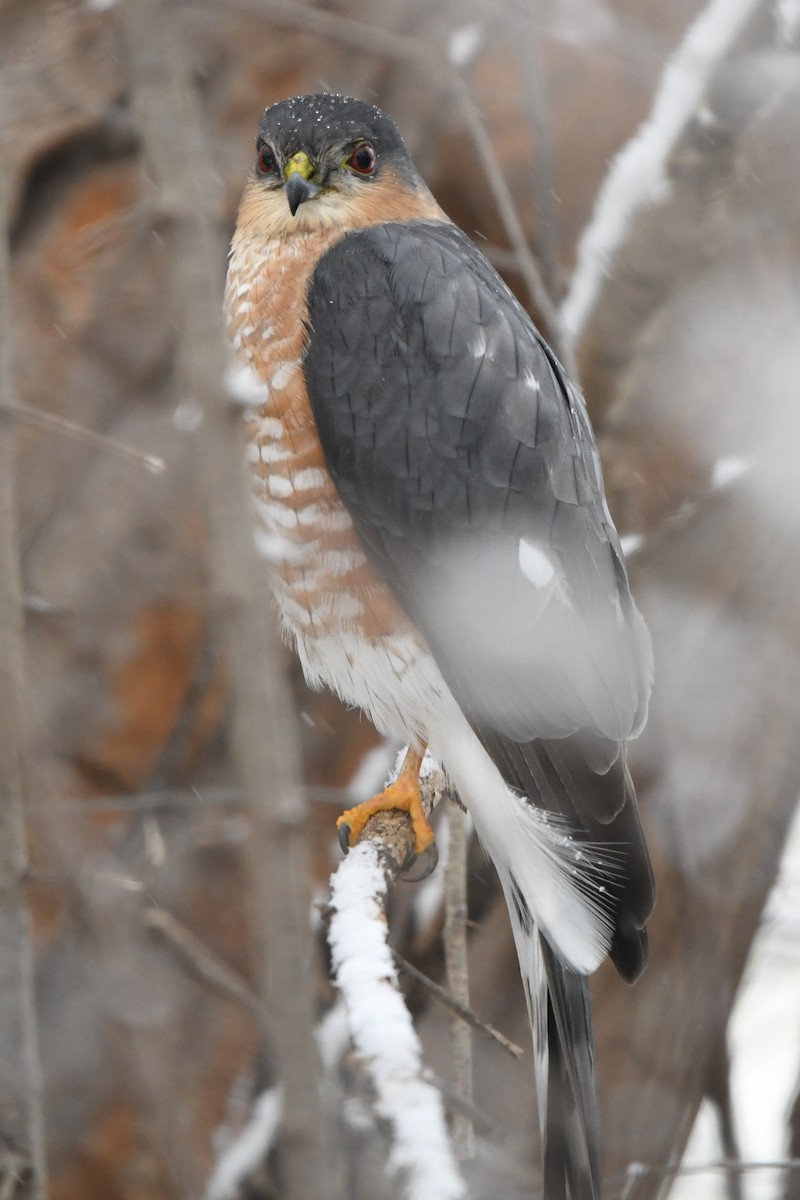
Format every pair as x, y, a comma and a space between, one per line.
298, 190
298, 185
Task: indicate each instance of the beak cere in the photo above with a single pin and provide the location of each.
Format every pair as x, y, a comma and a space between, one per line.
298, 189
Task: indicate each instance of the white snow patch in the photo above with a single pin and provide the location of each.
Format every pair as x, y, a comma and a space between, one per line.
637, 177
370, 775
631, 543
188, 416
244, 386
248, 1149
100, 5
727, 470
534, 564
383, 1033
764, 1036
332, 1036
464, 45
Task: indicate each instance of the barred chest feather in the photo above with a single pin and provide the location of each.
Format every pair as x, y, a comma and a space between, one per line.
345, 624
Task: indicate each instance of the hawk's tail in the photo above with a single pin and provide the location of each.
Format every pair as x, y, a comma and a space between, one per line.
561, 1024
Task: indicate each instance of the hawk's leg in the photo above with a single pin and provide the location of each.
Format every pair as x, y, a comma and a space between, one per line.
403, 794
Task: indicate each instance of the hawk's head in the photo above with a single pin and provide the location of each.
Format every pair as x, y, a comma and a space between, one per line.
328, 160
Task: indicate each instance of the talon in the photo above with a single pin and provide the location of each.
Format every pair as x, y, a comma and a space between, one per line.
404, 795
344, 834
419, 868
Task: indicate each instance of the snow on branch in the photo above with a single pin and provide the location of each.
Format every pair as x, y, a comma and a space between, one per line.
383, 1032
637, 177
245, 1152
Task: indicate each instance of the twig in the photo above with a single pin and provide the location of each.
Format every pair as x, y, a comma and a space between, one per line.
526, 263
79, 433
264, 737
14, 1172
457, 973
637, 177
157, 801
480, 1120
534, 75
202, 961
466, 1014
21, 1121
637, 1171
718, 1091
346, 30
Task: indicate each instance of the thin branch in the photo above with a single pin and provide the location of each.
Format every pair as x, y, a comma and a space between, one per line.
158, 801
542, 171
347, 31
638, 175
637, 1171
457, 973
201, 961
79, 433
21, 1120
501, 192
718, 1091
264, 737
466, 1014
480, 1120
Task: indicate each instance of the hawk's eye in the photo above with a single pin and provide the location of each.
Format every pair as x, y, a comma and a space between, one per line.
362, 159
267, 163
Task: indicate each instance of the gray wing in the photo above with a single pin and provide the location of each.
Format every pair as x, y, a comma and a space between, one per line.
468, 465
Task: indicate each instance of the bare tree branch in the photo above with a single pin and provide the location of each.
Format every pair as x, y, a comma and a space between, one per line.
264, 737
466, 1014
21, 1122
526, 263
637, 176
201, 961
455, 957
55, 424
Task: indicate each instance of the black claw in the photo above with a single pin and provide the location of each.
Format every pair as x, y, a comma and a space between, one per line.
344, 837
423, 866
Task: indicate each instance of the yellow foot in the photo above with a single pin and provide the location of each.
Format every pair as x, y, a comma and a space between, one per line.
403, 794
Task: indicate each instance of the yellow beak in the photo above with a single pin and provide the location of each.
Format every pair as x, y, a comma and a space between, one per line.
297, 175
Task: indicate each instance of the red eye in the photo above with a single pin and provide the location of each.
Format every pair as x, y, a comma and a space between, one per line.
266, 161
363, 159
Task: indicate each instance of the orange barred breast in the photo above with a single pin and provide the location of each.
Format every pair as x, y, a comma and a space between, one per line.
323, 581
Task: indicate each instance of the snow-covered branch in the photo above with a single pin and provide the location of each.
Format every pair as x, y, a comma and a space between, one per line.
383, 1032
245, 1152
638, 175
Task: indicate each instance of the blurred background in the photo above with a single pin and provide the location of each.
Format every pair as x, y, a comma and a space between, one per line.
690, 361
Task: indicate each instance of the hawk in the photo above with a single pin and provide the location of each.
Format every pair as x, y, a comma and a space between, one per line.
431, 502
